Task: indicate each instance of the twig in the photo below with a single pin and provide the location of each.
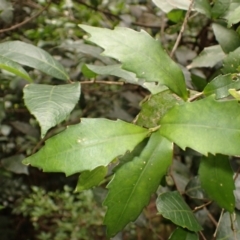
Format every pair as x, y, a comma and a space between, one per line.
202, 206
103, 82
202, 235
182, 29
191, 99
25, 21
219, 220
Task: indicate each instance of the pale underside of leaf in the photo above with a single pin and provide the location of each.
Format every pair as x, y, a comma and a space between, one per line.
135, 181
141, 54
207, 126
51, 104
87, 145
29, 55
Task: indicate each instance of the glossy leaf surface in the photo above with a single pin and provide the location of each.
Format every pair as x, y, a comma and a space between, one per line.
51, 104
89, 179
221, 84
231, 64
216, 178
141, 54
134, 182
172, 206
207, 126
31, 56
87, 145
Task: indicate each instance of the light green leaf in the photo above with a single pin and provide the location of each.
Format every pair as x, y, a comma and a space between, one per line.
87, 145
202, 6
225, 231
141, 54
216, 177
29, 55
89, 179
220, 7
231, 63
164, 5
130, 77
153, 109
131, 188
13, 67
172, 206
228, 39
51, 104
207, 126
221, 85
234, 17
183, 234
234, 93
209, 57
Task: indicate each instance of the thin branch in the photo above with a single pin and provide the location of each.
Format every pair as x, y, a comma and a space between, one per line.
196, 96
25, 21
202, 235
202, 206
182, 29
219, 220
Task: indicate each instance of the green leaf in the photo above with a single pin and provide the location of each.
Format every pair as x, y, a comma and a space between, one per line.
209, 57
231, 64
141, 54
51, 104
234, 17
183, 234
14, 68
216, 177
228, 39
221, 85
225, 231
29, 55
89, 179
131, 188
207, 126
220, 7
172, 206
234, 93
153, 109
202, 6
87, 145
130, 77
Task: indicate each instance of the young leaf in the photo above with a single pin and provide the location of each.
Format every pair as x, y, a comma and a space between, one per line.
183, 234
141, 54
87, 145
207, 126
135, 181
220, 7
130, 77
209, 57
51, 104
14, 68
172, 206
89, 179
221, 84
153, 109
29, 55
216, 178
228, 39
229, 230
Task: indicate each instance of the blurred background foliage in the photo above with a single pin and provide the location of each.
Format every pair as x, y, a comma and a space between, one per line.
36, 205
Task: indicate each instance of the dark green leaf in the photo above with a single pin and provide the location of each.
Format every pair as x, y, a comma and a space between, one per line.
207, 126
29, 55
209, 57
228, 39
221, 84
87, 145
153, 109
51, 104
183, 234
147, 59
225, 231
14, 68
132, 186
89, 179
216, 178
172, 206
220, 7
231, 64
